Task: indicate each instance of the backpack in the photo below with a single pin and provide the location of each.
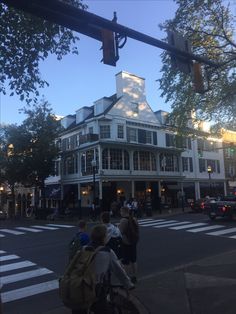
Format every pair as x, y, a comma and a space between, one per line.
115, 243
132, 232
77, 287
75, 245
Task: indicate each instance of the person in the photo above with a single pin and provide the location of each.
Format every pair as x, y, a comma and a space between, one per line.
114, 239
129, 244
80, 239
107, 266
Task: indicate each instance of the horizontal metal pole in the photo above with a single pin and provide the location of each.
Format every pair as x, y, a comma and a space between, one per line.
91, 24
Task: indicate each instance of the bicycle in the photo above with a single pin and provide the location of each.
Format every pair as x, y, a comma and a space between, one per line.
121, 301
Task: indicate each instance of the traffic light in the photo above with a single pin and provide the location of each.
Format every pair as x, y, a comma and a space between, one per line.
232, 148
198, 78
181, 63
108, 47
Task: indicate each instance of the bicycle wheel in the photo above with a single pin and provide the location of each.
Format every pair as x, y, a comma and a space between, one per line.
124, 304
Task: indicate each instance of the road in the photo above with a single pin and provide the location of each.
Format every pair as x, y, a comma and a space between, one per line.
33, 254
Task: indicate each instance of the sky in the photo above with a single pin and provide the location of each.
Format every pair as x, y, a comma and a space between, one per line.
79, 80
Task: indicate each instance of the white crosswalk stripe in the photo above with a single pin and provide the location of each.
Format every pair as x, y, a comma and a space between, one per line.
34, 229
152, 223
17, 285
12, 231
45, 227
205, 228
229, 230
193, 227
62, 226
171, 224
188, 225
8, 257
28, 229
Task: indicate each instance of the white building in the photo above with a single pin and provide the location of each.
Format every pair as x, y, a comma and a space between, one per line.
136, 152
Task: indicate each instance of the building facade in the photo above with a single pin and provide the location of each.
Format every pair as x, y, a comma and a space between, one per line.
119, 148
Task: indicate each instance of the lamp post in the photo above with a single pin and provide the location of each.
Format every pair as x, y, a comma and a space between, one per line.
94, 163
209, 170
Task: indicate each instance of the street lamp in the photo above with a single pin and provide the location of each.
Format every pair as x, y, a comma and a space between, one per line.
94, 163
209, 170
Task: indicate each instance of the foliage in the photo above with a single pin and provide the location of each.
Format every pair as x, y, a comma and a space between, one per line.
209, 25
25, 42
28, 151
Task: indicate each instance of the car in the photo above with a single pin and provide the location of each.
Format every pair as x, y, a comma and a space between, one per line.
225, 207
199, 206
3, 214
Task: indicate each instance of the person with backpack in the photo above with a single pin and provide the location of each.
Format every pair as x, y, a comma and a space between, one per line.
114, 239
80, 239
83, 285
130, 236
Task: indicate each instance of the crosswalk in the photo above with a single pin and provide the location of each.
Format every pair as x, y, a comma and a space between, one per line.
188, 226
16, 275
31, 229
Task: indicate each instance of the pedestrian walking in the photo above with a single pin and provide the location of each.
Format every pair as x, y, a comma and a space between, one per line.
130, 235
80, 239
114, 238
98, 265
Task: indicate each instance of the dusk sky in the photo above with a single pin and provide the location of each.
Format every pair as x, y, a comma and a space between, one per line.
78, 81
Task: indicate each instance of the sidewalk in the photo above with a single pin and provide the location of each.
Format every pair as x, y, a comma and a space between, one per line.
207, 286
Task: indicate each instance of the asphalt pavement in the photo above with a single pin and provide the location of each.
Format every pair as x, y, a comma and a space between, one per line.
207, 286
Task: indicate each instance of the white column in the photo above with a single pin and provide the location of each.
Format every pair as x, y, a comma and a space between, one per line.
132, 188
225, 189
197, 190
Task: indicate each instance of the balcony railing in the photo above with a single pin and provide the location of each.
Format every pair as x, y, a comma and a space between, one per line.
86, 138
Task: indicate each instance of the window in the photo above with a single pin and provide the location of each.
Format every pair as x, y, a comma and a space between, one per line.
120, 131
187, 163
132, 135
86, 161
202, 165
148, 137
116, 159
169, 162
170, 140
211, 163
105, 131
144, 161
90, 130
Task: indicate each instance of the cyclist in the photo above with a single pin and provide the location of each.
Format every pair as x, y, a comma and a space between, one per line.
107, 267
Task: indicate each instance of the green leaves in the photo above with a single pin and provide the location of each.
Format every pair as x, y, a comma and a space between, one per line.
210, 27
26, 40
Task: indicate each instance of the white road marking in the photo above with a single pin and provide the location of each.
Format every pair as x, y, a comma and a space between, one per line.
45, 227
230, 230
205, 228
172, 224
29, 291
157, 223
2, 236
12, 231
145, 219
188, 225
151, 222
2, 252
63, 226
25, 275
13, 266
233, 237
28, 229
8, 257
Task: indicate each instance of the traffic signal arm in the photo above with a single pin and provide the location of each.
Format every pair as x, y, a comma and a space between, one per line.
93, 25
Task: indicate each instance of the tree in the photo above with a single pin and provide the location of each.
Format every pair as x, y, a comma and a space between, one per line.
26, 41
13, 164
28, 151
209, 25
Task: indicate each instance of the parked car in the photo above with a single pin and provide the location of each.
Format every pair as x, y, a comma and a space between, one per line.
3, 214
225, 207
199, 206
